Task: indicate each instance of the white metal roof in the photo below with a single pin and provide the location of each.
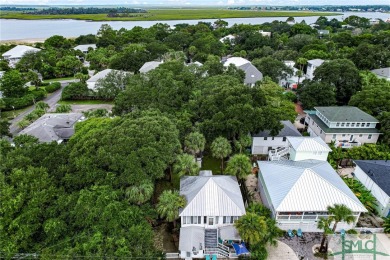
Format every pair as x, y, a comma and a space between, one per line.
85, 47
190, 237
227, 37
211, 196
309, 185
306, 143
238, 61
18, 51
150, 65
316, 62
100, 75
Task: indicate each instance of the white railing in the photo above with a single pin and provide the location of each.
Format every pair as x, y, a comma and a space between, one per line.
372, 230
346, 144
277, 154
172, 255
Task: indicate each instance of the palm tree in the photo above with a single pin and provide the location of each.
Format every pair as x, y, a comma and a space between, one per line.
386, 224
195, 143
302, 62
169, 204
140, 194
252, 228
259, 209
185, 165
242, 142
338, 213
324, 224
220, 148
273, 232
239, 165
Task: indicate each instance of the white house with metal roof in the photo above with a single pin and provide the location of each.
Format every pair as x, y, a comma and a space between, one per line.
375, 176
264, 141
299, 192
214, 202
347, 126
14, 55
311, 67
252, 74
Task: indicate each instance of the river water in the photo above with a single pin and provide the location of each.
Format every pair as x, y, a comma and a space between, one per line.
11, 29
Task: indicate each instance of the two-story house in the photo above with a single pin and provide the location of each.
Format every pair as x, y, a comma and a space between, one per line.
311, 67
346, 126
299, 185
214, 202
14, 55
263, 142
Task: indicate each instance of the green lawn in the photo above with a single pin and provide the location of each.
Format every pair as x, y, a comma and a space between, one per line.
210, 163
170, 14
57, 79
85, 102
13, 113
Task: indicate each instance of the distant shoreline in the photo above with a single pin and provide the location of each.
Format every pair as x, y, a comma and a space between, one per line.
171, 14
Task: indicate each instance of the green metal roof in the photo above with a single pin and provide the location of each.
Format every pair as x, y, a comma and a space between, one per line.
328, 130
345, 114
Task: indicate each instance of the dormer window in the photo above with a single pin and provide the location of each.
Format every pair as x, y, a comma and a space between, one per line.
337, 124
342, 124
357, 124
352, 124
347, 124
363, 124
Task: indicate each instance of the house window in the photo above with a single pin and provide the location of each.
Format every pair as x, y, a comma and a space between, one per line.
369, 136
368, 125
334, 137
337, 124
343, 135
284, 139
273, 138
347, 124
342, 124
353, 124
216, 220
357, 124
184, 220
204, 220
363, 124
360, 135
265, 138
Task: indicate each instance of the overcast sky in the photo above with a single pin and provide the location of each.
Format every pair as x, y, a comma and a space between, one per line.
196, 2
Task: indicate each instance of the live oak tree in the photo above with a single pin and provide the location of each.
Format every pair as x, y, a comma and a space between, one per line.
12, 84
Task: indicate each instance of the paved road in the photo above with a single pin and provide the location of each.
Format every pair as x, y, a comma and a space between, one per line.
50, 100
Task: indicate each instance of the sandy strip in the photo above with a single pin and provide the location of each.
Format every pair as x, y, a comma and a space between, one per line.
19, 41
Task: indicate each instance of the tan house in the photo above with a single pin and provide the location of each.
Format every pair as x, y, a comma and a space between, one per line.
346, 126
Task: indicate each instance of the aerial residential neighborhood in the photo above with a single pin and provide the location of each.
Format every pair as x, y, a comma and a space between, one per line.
205, 139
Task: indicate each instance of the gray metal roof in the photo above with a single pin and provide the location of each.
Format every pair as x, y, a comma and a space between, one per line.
308, 185
307, 143
316, 62
53, 127
378, 171
345, 114
288, 130
355, 130
150, 65
229, 233
384, 72
252, 74
216, 195
190, 237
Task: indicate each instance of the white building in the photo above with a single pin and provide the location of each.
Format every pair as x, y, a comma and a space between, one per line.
299, 192
292, 80
252, 74
14, 55
263, 142
375, 176
266, 34
84, 48
228, 38
346, 126
214, 202
91, 82
311, 67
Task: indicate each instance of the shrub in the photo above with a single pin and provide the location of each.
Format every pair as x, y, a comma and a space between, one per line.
76, 90
53, 87
23, 124
100, 112
63, 109
26, 100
